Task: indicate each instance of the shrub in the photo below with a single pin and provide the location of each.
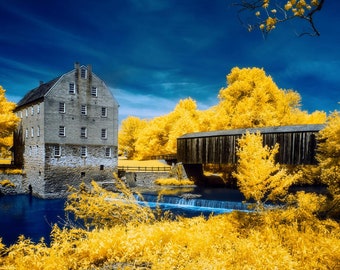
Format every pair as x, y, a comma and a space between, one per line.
6, 183
173, 182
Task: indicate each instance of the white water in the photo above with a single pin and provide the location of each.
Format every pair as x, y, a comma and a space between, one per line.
193, 205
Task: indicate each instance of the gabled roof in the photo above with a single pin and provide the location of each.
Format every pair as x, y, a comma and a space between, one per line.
37, 93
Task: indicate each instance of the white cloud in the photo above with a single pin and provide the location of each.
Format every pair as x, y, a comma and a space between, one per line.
140, 105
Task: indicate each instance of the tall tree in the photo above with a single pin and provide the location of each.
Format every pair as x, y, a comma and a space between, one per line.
258, 176
329, 157
8, 119
252, 99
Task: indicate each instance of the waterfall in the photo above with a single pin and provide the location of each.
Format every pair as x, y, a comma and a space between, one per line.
192, 204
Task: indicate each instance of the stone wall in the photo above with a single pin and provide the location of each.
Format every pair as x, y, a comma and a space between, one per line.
143, 179
18, 180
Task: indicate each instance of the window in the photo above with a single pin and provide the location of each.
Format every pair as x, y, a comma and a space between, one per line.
83, 73
72, 89
84, 109
104, 133
32, 110
26, 112
61, 131
38, 108
38, 131
61, 107
83, 151
32, 132
108, 152
94, 91
56, 151
20, 114
26, 133
104, 112
83, 132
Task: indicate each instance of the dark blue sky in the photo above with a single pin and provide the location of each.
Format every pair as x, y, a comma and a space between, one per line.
152, 53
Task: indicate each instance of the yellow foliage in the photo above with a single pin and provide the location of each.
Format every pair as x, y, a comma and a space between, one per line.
258, 176
329, 153
141, 163
8, 120
5, 161
271, 240
11, 171
329, 160
291, 238
100, 208
128, 134
161, 133
289, 10
6, 183
252, 99
173, 182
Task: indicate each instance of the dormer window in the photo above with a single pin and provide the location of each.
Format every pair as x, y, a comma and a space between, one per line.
83, 73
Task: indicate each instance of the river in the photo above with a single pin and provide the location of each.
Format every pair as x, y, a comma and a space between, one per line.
33, 217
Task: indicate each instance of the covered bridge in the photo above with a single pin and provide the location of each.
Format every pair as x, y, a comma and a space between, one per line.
297, 145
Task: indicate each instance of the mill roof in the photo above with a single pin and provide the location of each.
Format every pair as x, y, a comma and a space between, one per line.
37, 93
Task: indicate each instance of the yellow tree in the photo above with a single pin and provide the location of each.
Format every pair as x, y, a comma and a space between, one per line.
329, 157
258, 176
160, 135
8, 120
153, 138
252, 99
183, 119
128, 134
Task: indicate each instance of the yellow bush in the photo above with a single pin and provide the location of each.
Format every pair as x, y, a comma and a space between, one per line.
173, 182
13, 171
6, 183
271, 240
100, 208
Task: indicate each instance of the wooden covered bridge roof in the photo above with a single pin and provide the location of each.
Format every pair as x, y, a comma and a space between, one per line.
297, 144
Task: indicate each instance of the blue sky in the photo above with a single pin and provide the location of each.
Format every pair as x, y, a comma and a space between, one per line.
152, 53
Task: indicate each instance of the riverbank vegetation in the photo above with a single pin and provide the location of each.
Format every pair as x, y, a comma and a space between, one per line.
120, 234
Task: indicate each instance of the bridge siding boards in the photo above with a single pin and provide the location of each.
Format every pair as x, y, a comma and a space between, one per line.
297, 145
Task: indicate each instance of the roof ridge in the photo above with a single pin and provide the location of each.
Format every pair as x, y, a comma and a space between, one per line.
37, 93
